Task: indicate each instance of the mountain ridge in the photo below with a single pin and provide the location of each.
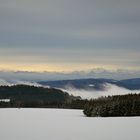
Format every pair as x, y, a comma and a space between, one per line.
91, 83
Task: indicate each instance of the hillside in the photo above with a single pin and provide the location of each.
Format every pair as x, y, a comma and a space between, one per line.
30, 96
96, 84
87, 84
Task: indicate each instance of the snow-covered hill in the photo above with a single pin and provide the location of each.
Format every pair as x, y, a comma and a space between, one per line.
60, 124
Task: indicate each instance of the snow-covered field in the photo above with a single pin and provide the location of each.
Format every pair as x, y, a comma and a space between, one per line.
60, 124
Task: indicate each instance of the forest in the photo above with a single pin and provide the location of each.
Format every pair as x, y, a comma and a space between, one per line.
31, 96
23, 96
119, 105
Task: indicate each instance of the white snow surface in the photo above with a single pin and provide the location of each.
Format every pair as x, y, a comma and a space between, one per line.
64, 124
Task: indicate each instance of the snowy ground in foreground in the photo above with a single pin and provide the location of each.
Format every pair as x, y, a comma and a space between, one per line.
60, 124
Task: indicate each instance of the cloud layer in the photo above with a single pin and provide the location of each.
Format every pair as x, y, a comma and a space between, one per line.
65, 34
52, 76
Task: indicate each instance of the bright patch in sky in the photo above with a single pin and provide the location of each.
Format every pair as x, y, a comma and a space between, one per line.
67, 35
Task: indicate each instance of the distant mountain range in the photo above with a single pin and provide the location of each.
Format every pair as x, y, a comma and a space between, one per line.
93, 84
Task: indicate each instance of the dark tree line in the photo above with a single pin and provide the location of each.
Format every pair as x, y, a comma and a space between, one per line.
22, 96
120, 105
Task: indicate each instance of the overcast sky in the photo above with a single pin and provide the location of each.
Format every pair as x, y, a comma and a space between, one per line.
69, 35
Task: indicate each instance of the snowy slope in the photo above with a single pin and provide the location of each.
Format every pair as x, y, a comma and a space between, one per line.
60, 124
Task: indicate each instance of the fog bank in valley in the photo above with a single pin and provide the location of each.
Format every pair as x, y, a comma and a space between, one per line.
110, 89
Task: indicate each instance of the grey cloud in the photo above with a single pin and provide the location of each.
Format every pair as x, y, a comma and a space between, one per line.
101, 30
10, 76
65, 15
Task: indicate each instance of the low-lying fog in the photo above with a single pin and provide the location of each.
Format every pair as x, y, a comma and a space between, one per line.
17, 82
109, 90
